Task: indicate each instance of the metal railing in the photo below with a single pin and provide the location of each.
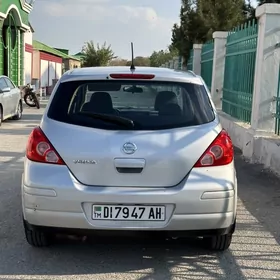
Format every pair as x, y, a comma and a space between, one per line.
239, 71
190, 61
207, 55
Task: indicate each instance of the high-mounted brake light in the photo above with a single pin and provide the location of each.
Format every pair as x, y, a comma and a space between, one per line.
40, 149
133, 76
220, 152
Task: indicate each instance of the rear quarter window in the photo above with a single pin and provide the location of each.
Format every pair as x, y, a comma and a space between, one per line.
150, 105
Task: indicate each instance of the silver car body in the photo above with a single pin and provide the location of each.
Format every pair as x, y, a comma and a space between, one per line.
194, 198
10, 98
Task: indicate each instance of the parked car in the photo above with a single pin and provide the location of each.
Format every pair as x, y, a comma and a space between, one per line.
10, 100
102, 164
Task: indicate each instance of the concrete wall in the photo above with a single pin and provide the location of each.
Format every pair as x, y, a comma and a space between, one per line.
257, 148
70, 64
28, 56
27, 67
58, 70
52, 72
44, 73
36, 74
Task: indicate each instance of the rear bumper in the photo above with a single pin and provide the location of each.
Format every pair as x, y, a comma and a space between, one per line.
134, 233
198, 222
57, 201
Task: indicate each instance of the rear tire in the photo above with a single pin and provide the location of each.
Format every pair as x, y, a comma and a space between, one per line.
18, 116
219, 243
28, 102
37, 238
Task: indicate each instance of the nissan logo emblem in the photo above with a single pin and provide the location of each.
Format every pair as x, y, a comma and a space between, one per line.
129, 148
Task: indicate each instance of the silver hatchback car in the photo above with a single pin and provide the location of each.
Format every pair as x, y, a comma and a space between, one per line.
10, 100
121, 150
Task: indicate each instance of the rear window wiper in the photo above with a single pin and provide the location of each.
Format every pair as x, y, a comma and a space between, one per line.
109, 118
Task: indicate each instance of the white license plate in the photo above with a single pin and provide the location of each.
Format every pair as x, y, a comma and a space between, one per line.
128, 213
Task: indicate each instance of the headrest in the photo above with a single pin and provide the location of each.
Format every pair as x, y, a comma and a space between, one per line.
165, 97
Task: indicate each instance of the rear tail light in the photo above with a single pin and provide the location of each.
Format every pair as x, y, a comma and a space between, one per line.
40, 149
132, 76
220, 152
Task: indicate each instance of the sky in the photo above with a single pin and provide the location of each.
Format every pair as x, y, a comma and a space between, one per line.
68, 24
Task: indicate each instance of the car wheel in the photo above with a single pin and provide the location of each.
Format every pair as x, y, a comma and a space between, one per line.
36, 238
219, 243
18, 115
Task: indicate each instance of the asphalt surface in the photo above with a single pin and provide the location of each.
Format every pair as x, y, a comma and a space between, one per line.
254, 254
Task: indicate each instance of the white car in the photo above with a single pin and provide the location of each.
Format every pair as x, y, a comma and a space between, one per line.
130, 160
10, 100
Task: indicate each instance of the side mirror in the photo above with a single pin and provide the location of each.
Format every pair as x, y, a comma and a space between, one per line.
7, 89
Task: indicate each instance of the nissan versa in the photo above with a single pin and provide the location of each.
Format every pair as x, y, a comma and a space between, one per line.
122, 149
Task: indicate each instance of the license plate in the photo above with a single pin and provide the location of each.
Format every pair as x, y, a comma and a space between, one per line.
128, 213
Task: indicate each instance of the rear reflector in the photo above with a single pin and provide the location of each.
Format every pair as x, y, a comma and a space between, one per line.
40, 149
220, 152
133, 76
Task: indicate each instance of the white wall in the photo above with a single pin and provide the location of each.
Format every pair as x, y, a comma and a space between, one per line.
44, 73
27, 67
28, 39
58, 70
51, 72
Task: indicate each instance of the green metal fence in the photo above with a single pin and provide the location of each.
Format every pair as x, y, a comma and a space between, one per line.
239, 71
190, 61
277, 115
207, 55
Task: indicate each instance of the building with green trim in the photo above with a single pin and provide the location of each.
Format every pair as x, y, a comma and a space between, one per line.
14, 25
48, 64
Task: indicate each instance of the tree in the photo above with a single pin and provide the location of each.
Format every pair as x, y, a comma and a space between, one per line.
96, 56
160, 57
190, 30
249, 10
200, 18
140, 61
118, 62
221, 15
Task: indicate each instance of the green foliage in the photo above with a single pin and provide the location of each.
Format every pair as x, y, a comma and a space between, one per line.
249, 10
160, 57
200, 18
96, 56
140, 61
221, 15
190, 30
118, 62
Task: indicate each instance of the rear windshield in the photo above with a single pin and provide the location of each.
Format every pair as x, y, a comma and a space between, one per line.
131, 105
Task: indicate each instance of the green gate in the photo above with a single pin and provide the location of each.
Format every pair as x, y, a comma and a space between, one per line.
207, 55
240, 71
11, 49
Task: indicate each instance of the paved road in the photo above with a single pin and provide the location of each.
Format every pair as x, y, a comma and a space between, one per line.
254, 254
